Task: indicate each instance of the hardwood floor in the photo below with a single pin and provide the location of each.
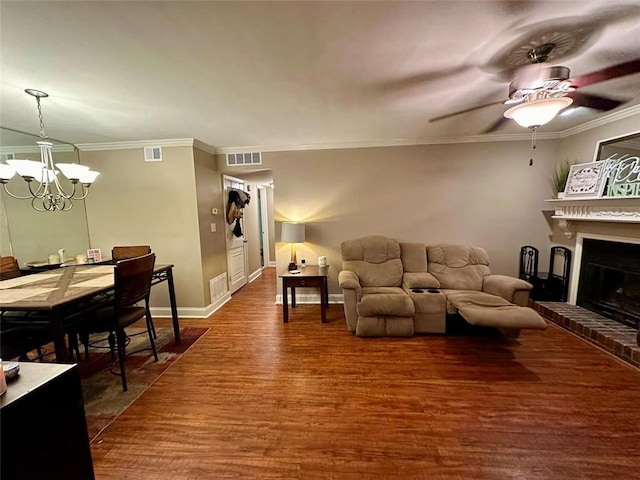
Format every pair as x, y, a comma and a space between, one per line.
256, 398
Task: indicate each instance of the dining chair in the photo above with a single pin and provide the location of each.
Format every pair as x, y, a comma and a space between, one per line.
123, 252
20, 335
129, 251
9, 268
132, 285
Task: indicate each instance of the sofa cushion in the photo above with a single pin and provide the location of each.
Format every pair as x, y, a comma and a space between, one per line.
459, 267
486, 310
414, 257
420, 280
376, 260
393, 304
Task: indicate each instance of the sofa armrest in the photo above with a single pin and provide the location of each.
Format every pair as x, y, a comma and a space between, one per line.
419, 280
349, 280
512, 289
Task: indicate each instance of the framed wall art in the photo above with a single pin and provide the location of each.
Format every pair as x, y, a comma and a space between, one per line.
622, 165
585, 180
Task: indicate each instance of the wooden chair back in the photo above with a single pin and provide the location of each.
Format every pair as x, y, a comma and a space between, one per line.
133, 280
129, 251
9, 268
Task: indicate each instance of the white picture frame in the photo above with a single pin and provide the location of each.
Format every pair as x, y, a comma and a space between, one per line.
95, 254
585, 180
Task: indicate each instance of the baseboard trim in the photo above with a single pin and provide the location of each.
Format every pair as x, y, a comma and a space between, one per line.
312, 298
192, 312
255, 275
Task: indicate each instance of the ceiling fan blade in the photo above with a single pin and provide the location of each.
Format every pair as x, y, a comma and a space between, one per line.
496, 125
608, 73
442, 117
581, 99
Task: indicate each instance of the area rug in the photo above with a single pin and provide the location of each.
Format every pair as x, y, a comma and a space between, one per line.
102, 392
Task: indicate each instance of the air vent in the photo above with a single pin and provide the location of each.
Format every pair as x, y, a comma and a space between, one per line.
152, 154
237, 159
7, 156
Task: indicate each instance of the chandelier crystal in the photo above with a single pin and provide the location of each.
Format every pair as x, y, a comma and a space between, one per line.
46, 191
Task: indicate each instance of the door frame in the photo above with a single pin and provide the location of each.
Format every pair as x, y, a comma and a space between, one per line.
228, 179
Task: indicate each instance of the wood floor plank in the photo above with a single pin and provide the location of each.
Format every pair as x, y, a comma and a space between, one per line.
256, 398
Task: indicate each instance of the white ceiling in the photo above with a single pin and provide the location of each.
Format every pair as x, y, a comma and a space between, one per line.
270, 74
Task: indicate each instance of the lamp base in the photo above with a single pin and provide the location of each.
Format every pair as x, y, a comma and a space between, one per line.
292, 266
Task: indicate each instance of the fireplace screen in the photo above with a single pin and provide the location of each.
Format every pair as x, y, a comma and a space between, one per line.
610, 280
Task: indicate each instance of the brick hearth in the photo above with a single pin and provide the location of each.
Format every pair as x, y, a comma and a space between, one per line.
607, 334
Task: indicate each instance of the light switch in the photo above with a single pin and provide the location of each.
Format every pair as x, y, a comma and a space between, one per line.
213, 227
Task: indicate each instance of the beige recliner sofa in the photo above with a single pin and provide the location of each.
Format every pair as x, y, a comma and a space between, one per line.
397, 289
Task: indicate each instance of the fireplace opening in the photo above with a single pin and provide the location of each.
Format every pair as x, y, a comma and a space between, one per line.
609, 281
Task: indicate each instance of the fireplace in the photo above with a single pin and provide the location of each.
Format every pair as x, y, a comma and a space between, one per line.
609, 282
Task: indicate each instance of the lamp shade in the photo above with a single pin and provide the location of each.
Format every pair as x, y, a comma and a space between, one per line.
292, 232
535, 113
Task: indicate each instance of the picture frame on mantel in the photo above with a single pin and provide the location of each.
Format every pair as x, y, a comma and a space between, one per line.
585, 180
622, 171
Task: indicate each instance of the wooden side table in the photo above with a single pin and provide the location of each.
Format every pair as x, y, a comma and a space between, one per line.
311, 276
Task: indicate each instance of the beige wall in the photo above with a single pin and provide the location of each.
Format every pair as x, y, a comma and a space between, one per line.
209, 193
481, 194
473, 193
137, 202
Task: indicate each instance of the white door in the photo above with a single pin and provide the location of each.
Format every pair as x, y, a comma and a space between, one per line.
236, 246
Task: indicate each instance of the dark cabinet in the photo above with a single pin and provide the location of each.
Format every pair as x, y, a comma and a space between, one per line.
43, 426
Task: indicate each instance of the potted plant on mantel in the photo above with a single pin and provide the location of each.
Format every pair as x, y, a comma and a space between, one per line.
559, 178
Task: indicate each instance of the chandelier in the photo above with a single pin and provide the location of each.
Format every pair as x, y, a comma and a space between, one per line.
46, 191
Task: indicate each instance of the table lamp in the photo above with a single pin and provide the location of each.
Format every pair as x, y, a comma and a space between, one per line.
292, 232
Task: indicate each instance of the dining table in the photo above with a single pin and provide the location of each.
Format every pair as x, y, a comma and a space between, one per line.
61, 296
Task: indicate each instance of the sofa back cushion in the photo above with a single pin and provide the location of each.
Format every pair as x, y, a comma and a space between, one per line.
376, 260
458, 267
414, 257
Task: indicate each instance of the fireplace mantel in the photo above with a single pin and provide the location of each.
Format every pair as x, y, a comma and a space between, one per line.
601, 209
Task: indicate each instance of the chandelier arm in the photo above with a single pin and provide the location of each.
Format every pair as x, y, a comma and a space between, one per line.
35, 207
85, 192
4, 186
42, 190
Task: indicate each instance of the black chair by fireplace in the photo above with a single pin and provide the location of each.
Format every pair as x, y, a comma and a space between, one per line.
553, 285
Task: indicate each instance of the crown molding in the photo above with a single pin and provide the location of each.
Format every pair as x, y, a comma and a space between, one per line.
514, 137
36, 149
510, 137
601, 121
177, 142
204, 146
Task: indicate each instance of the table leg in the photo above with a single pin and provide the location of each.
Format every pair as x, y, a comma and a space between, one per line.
326, 289
285, 302
323, 302
59, 344
174, 308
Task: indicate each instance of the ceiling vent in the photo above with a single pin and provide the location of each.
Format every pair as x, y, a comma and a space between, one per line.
7, 156
237, 159
152, 154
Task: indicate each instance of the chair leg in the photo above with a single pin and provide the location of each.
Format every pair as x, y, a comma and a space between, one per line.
122, 340
84, 338
112, 345
152, 333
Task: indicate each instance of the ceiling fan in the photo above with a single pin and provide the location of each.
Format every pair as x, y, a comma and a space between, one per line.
542, 83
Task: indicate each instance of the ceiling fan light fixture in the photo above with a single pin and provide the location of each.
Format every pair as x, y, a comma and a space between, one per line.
534, 113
